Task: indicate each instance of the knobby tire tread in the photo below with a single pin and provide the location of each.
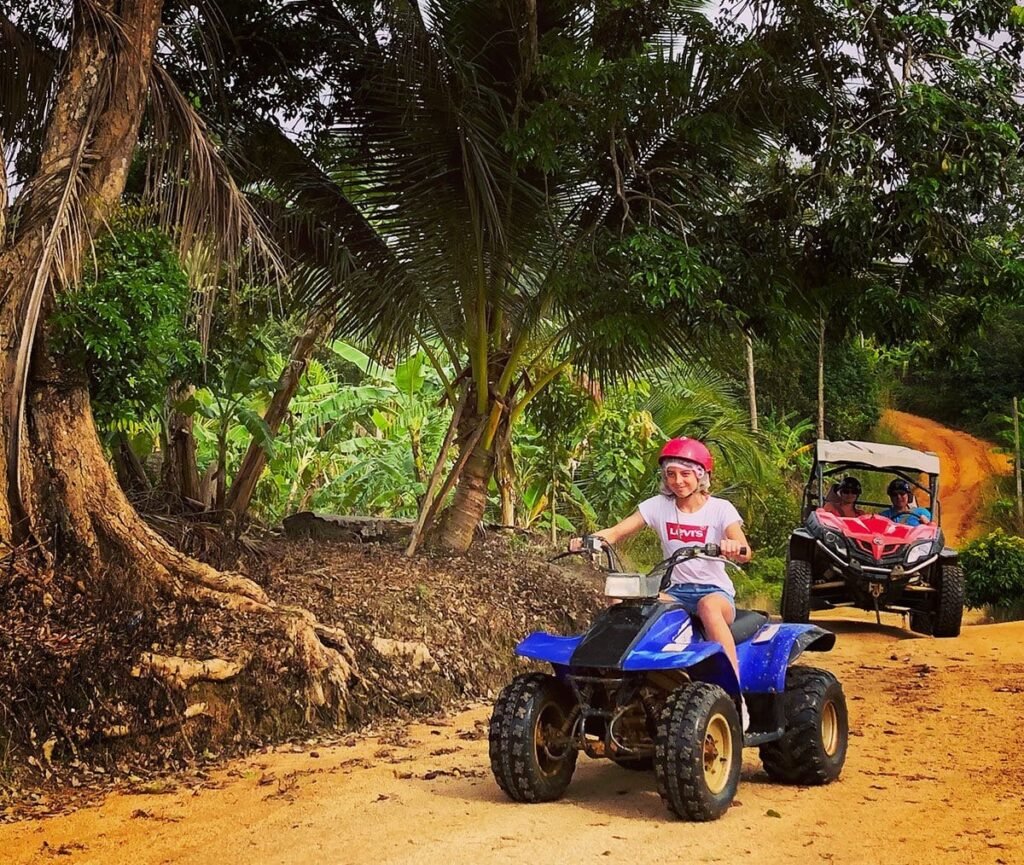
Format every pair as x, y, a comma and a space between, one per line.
798, 757
511, 746
678, 756
949, 610
796, 592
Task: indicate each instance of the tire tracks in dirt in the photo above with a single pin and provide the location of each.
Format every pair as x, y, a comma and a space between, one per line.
967, 465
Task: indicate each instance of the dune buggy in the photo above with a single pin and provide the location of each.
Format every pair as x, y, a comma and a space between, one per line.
645, 689
869, 561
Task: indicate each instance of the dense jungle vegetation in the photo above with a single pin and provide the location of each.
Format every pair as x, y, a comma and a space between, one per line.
473, 262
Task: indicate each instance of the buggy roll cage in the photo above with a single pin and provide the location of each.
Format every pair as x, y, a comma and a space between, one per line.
847, 456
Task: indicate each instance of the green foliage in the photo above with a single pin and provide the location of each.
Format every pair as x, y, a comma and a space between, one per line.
759, 584
788, 386
968, 380
545, 446
125, 325
770, 519
994, 570
617, 471
359, 437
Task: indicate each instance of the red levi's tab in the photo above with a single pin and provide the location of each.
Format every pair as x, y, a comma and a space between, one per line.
686, 534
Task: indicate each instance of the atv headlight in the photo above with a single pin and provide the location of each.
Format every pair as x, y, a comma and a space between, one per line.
919, 552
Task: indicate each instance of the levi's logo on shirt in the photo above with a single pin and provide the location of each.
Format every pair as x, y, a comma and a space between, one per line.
687, 534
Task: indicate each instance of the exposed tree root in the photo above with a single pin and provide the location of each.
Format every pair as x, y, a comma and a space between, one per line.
90, 523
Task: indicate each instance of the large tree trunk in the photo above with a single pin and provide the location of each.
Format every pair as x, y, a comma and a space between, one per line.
255, 457
59, 487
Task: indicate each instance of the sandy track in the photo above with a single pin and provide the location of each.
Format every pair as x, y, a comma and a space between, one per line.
966, 465
934, 774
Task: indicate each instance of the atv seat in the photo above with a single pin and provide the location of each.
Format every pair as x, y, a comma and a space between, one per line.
746, 624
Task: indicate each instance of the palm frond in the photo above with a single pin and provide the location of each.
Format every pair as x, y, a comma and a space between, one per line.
193, 191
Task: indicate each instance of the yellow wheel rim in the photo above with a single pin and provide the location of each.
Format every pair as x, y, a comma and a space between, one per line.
549, 747
830, 729
717, 753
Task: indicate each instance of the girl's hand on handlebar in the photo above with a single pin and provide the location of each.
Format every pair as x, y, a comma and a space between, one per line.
733, 550
576, 545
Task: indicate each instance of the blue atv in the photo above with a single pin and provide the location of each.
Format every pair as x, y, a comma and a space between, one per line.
644, 688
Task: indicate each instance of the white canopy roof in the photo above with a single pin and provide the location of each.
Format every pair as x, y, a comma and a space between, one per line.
878, 456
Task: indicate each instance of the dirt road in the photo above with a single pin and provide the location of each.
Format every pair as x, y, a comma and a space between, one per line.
966, 464
934, 774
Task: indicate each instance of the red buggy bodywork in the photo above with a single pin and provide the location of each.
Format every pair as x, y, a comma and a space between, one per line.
877, 536
870, 561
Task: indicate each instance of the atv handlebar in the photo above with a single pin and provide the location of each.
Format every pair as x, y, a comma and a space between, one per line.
708, 551
590, 545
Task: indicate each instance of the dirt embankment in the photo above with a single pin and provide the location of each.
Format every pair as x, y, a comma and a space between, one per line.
967, 464
934, 774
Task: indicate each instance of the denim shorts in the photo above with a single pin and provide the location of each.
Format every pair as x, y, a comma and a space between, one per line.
689, 595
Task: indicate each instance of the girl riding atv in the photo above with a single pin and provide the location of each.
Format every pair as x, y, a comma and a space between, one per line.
687, 515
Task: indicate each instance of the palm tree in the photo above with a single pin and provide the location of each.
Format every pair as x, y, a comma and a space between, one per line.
513, 155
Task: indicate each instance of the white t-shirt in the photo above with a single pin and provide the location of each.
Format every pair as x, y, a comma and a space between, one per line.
677, 529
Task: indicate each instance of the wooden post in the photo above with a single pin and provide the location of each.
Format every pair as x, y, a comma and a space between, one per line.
751, 384
1016, 464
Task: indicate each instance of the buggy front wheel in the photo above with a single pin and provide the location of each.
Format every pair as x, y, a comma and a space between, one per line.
949, 609
530, 740
796, 591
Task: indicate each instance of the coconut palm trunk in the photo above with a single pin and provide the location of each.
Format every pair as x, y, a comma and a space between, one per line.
59, 488
470, 501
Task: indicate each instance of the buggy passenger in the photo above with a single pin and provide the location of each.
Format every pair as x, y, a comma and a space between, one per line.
849, 491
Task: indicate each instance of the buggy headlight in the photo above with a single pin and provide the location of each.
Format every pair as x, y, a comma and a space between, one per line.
919, 552
836, 542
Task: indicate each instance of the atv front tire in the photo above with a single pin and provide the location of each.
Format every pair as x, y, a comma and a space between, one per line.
531, 750
950, 608
812, 749
796, 592
698, 752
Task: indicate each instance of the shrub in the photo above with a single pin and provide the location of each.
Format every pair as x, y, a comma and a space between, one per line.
994, 570
770, 520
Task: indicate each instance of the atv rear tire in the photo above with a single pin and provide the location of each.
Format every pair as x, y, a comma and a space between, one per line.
950, 608
531, 751
698, 752
796, 592
812, 750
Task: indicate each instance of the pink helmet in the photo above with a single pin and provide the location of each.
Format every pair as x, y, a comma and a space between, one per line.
687, 449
